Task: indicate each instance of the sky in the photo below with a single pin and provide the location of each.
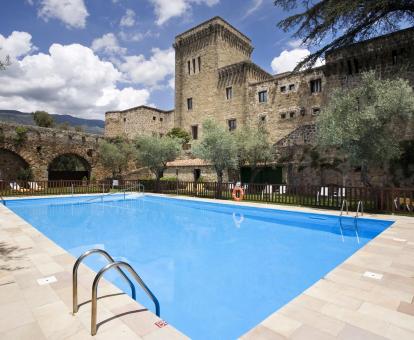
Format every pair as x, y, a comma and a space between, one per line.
86, 57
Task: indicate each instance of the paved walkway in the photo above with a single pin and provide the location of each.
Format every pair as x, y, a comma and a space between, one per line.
343, 305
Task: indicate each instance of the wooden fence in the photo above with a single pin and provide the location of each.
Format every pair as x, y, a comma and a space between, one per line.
327, 197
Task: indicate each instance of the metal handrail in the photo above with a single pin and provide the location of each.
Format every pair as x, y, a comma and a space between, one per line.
360, 208
95, 290
139, 186
344, 204
75, 275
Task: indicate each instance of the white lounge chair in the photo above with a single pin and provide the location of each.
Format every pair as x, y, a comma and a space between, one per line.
35, 187
323, 192
15, 187
268, 190
282, 189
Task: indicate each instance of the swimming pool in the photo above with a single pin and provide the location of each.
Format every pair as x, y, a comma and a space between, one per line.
217, 269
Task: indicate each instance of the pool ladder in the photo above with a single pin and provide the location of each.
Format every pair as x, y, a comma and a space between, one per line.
359, 211
112, 264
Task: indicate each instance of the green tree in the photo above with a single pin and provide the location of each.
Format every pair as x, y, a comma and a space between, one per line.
43, 119
21, 135
79, 128
218, 147
179, 133
64, 126
368, 121
333, 23
155, 152
115, 156
254, 149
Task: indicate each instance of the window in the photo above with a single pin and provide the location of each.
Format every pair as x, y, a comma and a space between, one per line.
194, 131
302, 111
154, 118
189, 67
283, 115
394, 57
283, 89
232, 124
316, 85
189, 103
262, 96
161, 119
356, 65
292, 114
292, 87
199, 64
194, 66
197, 174
124, 120
229, 93
262, 118
315, 111
349, 65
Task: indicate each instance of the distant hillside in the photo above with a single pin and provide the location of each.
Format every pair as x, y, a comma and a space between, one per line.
90, 125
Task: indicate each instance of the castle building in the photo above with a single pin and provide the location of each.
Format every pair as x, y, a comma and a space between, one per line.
216, 78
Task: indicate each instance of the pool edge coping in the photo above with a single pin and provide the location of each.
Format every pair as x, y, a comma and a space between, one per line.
292, 326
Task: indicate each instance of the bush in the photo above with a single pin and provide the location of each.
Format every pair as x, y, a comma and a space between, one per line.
21, 135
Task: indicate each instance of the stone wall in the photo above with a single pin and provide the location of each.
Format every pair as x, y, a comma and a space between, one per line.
290, 103
141, 120
42, 145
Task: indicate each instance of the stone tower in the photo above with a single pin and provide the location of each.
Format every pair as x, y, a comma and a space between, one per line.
211, 64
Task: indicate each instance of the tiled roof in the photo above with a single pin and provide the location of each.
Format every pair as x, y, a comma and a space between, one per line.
188, 162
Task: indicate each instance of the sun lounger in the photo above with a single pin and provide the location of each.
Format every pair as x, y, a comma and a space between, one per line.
15, 187
35, 187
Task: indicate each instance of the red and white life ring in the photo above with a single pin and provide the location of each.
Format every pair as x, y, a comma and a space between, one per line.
237, 194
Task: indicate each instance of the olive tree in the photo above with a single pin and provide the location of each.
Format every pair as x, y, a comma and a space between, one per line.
43, 119
115, 155
254, 148
368, 121
218, 147
155, 152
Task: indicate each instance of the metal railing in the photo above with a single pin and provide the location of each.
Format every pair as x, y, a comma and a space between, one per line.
376, 199
95, 290
139, 186
75, 275
344, 204
360, 209
112, 264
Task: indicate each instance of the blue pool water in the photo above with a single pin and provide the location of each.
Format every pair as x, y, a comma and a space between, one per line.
217, 269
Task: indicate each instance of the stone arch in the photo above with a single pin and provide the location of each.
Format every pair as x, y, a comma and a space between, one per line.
13, 166
69, 166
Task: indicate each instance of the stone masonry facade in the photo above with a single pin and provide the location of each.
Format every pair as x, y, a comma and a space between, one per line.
216, 78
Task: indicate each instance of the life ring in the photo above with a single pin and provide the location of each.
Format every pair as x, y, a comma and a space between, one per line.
238, 190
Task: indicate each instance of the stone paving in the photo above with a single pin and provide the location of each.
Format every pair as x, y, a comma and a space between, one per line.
343, 305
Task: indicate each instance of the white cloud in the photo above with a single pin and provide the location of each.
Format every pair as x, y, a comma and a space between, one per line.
167, 9
287, 60
71, 12
16, 44
295, 43
150, 72
137, 36
128, 20
68, 79
108, 44
254, 6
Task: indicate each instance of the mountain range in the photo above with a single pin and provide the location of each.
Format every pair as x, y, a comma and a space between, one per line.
25, 118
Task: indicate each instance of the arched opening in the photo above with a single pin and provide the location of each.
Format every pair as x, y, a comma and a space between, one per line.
69, 167
13, 166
